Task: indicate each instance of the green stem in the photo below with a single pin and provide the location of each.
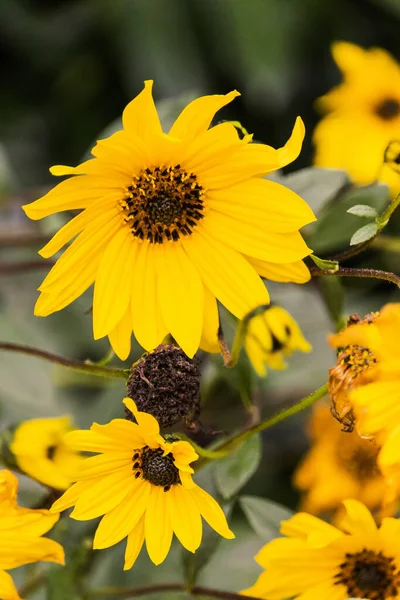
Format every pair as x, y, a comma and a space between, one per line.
384, 218
77, 365
362, 273
387, 242
196, 590
230, 443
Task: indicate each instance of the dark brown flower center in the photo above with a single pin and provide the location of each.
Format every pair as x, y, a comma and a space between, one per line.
50, 452
152, 466
369, 574
358, 457
163, 204
388, 109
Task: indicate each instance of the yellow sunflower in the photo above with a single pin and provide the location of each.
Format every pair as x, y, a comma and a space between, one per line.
363, 115
142, 484
338, 465
272, 333
20, 533
171, 222
42, 452
317, 561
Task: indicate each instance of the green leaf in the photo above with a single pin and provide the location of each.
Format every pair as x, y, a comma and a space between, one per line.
364, 234
363, 210
325, 265
232, 472
264, 516
61, 585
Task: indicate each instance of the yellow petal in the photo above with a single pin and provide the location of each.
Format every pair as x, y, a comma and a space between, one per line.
120, 336
358, 519
8, 591
211, 512
197, 116
185, 517
113, 286
91, 441
297, 272
252, 240
70, 497
376, 405
180, 293
390, 452
140, 117
148, 326
125, 435
316, 532
15, 552
209, 335
158, 528
104, 495
134, 545
123, 519
148, 426
102, 464
348, 57
228, 276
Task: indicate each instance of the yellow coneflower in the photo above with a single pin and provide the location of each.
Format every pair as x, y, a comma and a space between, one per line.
142, 484
20, 533
363, 115
41, 451
272, 333
316, 561
171, 222
339, 465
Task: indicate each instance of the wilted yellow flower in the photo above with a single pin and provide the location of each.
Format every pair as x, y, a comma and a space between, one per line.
270, 334
170, 223
142, 484
20, 533
316, 561
338, 465
42, 452
363, 116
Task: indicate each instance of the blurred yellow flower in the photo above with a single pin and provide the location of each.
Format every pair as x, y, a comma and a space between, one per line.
338, 465
363, 116
317, 561
20, 533
143, 486
171, 222
270, 334
41, 451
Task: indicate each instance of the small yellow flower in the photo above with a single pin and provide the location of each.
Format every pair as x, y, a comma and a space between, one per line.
363, 115
317, 561
338, 465
42, 452
272, 333
170, 223
20, 533
143, 486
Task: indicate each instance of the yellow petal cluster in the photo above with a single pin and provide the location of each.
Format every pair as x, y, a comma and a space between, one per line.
42, 452
271, 333
317, 561
362, 116
21, 531
170, 223
141, 484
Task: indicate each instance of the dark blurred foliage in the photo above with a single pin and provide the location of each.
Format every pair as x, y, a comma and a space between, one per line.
68, 67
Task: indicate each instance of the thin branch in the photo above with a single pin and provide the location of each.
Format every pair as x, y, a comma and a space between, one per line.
12, 268
24, 240
72, 363
238, 438
362, 273
197, 590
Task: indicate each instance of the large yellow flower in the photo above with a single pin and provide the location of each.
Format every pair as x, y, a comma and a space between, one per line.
170, 223
363, 115
41, 451
143, 486
271, 334
20, 534
339, 465
316, 561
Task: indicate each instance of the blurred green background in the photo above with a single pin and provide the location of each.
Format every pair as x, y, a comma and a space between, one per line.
68, 68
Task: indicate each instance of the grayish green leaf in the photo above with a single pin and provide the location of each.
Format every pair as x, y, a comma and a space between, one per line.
232, 472
264, 516
364, 234
325, 265
363, 210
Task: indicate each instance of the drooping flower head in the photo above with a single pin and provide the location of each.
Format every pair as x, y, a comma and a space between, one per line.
316, 561
20, 533
142, 484
363, 115
271, 334
41, 451
339, 465
171, 222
